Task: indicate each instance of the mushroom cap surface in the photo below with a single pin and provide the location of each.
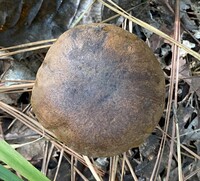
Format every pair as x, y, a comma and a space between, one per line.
100, 90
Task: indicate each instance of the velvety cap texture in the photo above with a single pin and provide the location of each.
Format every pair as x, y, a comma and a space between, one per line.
100, 90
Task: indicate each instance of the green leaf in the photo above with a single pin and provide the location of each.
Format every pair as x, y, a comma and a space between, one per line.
16, 161
7, 175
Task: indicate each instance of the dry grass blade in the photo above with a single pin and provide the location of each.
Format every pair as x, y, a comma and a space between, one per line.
82, 14
130, 168
47, 157
190, 132
180, 172
123, 167
192, 174
176, 58
158, 160
149, 27
117, 15
181, 145
28, 107
27, 47
24, 87
113, 167
174, 76
29, 44
34, 125
92, 169
59, 163
25, 50
74, 170
18, 81
25, 119
15, 146
189, 151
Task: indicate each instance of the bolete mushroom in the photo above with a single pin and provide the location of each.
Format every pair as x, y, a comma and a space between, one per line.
100, 90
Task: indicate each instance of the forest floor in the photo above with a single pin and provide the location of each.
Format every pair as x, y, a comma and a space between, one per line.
171, 152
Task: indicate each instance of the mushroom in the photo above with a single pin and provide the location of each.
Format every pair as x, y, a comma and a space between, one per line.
100, 90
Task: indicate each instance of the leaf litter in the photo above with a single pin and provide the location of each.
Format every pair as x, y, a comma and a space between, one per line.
20, 128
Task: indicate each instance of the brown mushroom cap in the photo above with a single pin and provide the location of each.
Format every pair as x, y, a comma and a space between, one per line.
100, 90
